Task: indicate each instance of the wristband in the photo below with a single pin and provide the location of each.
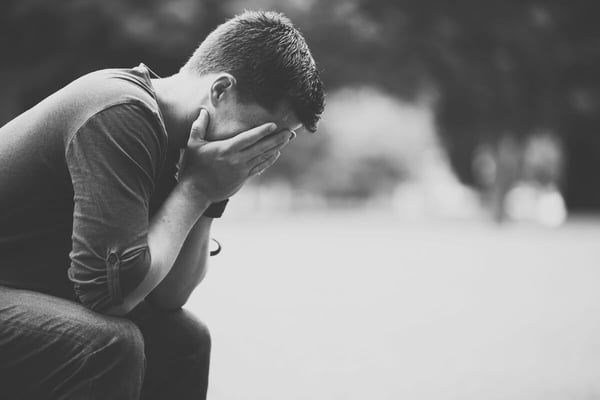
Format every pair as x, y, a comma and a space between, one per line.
215, 210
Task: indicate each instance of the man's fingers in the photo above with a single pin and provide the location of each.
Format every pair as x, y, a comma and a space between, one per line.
265, 163
246, 139
266, 145
199, 126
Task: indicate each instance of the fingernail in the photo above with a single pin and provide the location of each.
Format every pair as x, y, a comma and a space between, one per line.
271, 127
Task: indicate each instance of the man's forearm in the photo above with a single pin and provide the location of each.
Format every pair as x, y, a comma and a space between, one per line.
209, 172
188, 271
168, 232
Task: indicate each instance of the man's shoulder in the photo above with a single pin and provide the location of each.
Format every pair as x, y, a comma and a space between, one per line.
105, 88
112, 101
100, 92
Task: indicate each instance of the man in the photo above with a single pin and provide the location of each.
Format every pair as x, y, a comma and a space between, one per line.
104, 228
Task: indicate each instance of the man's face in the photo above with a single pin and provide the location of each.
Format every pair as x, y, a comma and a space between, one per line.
235, 117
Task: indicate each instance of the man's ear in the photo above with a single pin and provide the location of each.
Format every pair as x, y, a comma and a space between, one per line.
222, 88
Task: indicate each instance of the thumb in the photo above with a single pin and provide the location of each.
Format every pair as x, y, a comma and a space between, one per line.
200, 126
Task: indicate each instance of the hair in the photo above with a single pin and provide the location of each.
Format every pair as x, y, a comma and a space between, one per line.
270, 60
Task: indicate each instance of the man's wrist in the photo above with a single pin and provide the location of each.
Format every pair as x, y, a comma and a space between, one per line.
191, 192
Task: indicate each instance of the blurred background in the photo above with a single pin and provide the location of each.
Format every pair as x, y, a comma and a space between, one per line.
436, 239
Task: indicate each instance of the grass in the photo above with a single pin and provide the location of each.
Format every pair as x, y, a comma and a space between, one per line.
350, 305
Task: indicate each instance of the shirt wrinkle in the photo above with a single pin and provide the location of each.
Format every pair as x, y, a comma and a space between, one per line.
131, 101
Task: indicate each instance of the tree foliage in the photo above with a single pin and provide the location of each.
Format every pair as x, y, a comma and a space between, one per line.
494, 69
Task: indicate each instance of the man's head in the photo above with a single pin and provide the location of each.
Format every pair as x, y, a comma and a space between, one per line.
267, 63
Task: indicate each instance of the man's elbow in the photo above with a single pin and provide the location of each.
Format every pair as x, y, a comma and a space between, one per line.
118, 311
172, 294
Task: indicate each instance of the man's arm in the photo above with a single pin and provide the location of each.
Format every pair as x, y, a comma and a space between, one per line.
169, 230
210, 172
188, 271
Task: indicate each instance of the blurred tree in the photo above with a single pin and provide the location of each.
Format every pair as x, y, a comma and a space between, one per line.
500, 71
578, 58
45, 45
497, 72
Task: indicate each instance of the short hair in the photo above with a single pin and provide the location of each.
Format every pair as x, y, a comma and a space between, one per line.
270, 60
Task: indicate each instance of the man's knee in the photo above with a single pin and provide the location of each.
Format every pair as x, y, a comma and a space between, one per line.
198, 338
177, 330
195, 348
178, 349
118, 345
189, 338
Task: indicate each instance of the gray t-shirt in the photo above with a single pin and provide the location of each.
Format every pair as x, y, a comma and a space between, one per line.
81, 174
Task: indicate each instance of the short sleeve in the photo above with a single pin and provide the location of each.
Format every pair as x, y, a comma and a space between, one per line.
114, 160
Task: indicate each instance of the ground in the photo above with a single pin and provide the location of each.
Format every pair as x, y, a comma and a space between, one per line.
353, 305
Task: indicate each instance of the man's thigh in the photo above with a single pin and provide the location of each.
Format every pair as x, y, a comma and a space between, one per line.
48, 345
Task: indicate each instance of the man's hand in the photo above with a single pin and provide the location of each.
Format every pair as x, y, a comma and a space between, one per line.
218, 169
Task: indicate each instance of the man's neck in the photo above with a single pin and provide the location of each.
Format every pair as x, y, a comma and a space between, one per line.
179, 103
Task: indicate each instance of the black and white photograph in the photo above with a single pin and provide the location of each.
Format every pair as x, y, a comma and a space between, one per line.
299, 200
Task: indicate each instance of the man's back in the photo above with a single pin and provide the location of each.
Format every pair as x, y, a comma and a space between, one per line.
36, 190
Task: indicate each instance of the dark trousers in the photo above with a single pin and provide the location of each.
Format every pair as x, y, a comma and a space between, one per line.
51, 348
